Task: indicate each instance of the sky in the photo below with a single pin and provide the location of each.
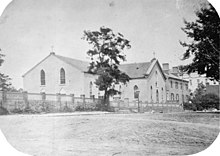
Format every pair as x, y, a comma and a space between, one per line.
29, 28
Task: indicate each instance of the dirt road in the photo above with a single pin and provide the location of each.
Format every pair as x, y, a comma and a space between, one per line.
111, 134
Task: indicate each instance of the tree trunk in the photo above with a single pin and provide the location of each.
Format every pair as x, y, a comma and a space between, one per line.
106, 101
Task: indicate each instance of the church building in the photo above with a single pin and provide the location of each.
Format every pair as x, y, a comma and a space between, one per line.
63, 75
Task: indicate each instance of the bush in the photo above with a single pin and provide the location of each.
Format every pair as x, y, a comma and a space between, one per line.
3, 111
210, 101
201, 102
189, 106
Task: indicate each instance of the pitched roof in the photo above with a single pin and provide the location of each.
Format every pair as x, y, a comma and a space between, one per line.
135, 70
81, 65
172, 76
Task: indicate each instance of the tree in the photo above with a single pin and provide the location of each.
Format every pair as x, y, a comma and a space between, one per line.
106, 54
205, 45
210, 101
4, 79
198, 94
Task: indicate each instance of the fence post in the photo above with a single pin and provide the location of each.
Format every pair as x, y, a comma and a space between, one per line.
59, 99
25, 98
93, 98
73, 98
83, 100
43, 97
4, 99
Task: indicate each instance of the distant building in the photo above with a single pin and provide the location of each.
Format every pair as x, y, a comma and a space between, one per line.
194, 79
213, 89
176, 87
63, 75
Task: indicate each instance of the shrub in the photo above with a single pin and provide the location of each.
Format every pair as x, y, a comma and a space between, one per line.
3, 111
210, 101
189, 106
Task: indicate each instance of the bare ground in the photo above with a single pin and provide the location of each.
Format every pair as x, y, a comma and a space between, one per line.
111, 134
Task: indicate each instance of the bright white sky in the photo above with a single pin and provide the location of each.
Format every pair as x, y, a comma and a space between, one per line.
28, 29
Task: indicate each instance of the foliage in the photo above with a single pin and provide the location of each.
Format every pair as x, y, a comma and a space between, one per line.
106, 54
205, 45
4, 79
201, 100
3, 111
210, 101
87, 108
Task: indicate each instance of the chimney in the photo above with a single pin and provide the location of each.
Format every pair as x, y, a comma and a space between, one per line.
175, 70
166, 67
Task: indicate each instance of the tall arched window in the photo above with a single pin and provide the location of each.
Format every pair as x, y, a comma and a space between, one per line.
172, 96
62, 76
177, 97
157, 96
135, 89
151, 93
162, 94
42, 77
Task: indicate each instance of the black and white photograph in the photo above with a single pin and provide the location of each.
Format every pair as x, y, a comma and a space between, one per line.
109, 77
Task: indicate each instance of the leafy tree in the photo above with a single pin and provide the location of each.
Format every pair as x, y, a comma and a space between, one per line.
198, 94
210, 101
106, 54
205, 45
4, 79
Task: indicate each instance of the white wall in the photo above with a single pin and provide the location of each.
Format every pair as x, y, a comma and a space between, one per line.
52, 66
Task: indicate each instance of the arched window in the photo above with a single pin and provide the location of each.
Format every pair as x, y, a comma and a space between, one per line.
151, 93
177, 97
162, 94
157, 96
90, 88
42, 77
172, 96
62, 76
135, 91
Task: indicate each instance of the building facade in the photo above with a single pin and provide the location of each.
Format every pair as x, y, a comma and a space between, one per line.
63, 75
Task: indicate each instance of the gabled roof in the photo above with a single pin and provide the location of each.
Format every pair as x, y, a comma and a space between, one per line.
81, 65
172, 76
140, 70
135, 70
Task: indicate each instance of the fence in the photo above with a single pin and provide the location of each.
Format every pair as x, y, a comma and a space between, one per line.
35, 102
134, 105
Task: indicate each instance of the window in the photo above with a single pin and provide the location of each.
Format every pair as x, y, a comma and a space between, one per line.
171, 84
181, 85
162, 94
176, 85
186, 86
172, 96
151, 92
135, 91
177, 97
157, 96
62, 76
42, 77
90, 89
198, 80
182, 98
